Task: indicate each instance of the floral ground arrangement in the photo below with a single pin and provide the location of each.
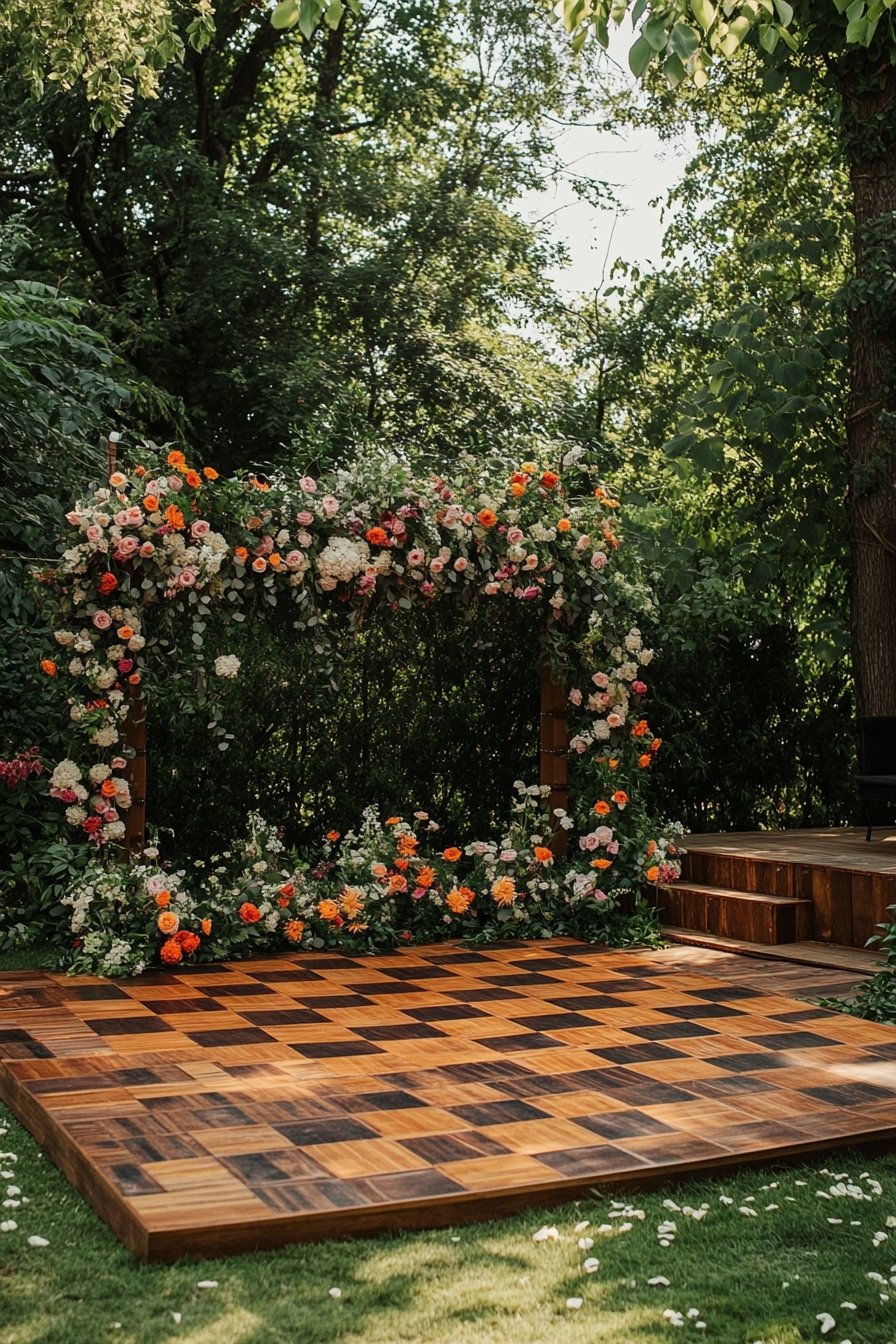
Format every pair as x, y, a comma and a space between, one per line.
163, 561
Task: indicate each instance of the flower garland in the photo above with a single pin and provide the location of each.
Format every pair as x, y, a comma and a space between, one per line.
166, 540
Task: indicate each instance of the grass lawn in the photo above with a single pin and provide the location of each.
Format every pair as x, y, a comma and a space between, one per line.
760, 1278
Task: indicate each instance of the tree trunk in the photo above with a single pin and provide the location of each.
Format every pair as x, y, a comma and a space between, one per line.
868, 89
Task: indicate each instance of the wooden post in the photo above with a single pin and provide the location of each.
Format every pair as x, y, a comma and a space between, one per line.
135, 740
554, 748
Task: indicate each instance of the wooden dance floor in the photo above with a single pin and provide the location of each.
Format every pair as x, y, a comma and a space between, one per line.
298, 1097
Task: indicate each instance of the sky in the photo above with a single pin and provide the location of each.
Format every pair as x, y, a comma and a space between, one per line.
641, 169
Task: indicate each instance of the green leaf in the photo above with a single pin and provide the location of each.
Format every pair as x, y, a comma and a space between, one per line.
683, 41
286, 14
785, 11
704, 12
639, 57
673, 71
768, 38
656, 33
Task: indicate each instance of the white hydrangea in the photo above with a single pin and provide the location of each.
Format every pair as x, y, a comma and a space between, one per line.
601, 730
75, 815
342, 559
64, 637
632, 640
97, 773
227, 665
65, 776
104, 737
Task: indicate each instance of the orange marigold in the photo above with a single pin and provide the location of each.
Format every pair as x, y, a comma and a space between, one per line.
163, 898
620, 798
452, 853
543, 854
392, 821
425, 877
377, 536
173, 517
517, 489
407, 845
209, 473
487, 517
327, 909
175, 458
550, 480
645, 760
189, 942
125, 632
294, 928
171, 952
601, 864
564, 525
151, 503
352, 902
193, 479
503, 891
249, 913
601, 808
206, 927
168, 922
652, 873
641, 728
459, 900
48, 667
107, 788
241, 554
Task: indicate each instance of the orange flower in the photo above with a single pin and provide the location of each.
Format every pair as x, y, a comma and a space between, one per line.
503, 891
564, 525
426, 877
645, 760
377, 536
656, 744
168, 922
378, 869
171, 952
613, 763
274, 559
287, 890
452, 854
543, 854
487, 517
175, 458
401, 864
209, 473
517, 489
173, 517
294, 928
193, 479
327, 909
459, 900
392, 821
651, 848
550, 480
48, 667
253, 523
139, 471
107, 788
134, 679
151, 503
529, 468
259, 564
163, 898
407, 845
652, 873
601, 808
241, 554
641, 729
601, 863
398, 882
125, 632
188, 942
351, 903
118, 480
620, 798
283, 902
107, 583
249, 913
259, 485
206, 927
333, 836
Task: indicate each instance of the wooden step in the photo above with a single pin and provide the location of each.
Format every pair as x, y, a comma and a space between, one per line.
829, 956
755, 917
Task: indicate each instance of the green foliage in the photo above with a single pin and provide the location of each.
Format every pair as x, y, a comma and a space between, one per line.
875, 998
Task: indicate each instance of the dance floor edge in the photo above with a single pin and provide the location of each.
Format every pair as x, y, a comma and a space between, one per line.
252, 1104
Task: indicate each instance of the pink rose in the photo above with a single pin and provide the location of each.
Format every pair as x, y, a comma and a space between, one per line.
294, 560
200, 528
507, 855
330, 506
305, 518
125, 665
613, 847
135, 516
604, 835
187, 577
121, 518
527, 594
461, 564
601, 679
600, 895
598, 560
102, 620
514, 534
639, 687
427, 588
615, 720
366, 583
93, 533
147, 549
175, 483
467, 519
575, 696
73, 518
416, 557
583, 543
531, 562
127, 545
436, 566
492, 588
64, 795
589, 842
118, 763
308, 484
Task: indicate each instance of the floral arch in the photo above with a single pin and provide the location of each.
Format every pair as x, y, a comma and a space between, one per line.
165, 542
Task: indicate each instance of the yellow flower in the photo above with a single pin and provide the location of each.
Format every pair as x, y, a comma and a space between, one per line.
503, 891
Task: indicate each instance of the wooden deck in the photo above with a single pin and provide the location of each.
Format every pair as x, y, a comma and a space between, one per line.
251, 1104
773, 887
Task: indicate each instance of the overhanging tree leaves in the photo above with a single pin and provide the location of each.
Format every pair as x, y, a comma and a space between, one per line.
852, 50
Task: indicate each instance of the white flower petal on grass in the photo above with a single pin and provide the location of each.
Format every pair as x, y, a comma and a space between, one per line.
658, 1282
770, 1208
747, 1211
835, 1222
13, 1190
335, 1292
573, 1303
693, 1313
725, 1199
585, 1243
8, 1225
699, 1325
825, 1321
878, 1239
582, 1227
176, 1317
207, 1283
546, 1234
849, 1306
875, 1277
38, 1241
591, 1265
891, 1221
605, 1228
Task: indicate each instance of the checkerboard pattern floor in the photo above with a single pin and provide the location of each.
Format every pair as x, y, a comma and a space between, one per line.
251, 1104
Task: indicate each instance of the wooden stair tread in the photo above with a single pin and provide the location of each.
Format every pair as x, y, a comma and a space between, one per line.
705, 889
807, 951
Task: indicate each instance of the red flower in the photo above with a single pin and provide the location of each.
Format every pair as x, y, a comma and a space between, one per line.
249, 913
92, 824
171, 952
107, 583
187, 940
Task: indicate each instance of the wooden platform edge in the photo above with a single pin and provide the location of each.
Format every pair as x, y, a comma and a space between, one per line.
808, 952
108, 1204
